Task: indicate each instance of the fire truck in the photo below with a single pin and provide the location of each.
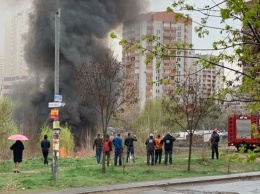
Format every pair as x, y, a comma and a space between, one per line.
240, 132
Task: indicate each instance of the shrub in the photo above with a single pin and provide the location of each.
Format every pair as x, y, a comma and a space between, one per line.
66, 139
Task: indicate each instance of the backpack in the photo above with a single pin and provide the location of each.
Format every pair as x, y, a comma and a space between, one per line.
107, 146
150, 143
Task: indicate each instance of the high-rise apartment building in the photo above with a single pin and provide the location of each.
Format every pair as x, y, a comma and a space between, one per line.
167, 31
1, 73
15, 68
210, 79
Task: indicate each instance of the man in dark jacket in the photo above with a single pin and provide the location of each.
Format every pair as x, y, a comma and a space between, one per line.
45, 145
98, 142
150, 145
214, 143
168, 147
129, 143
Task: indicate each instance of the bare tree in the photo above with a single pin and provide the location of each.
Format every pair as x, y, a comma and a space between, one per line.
188, 103
102, 86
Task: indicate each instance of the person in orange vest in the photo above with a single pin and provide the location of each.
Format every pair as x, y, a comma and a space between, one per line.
158, 149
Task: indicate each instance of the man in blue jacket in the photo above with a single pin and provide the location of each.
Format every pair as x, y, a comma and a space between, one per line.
117, 142
168, 147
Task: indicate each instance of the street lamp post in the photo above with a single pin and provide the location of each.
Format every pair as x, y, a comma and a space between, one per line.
56, 125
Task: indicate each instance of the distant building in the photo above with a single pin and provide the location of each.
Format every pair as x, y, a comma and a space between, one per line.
14, 67
210, 79
148, 78
1, 73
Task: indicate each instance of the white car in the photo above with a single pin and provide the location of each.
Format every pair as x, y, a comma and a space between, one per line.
222, 133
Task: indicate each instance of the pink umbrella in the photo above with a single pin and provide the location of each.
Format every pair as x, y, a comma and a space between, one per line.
18, 137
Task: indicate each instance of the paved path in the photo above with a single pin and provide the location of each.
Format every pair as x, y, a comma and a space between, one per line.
168, 182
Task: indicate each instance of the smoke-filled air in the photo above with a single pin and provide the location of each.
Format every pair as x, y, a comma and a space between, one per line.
84, 24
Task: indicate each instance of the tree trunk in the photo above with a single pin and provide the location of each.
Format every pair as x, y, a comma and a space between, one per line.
189, 159
103, 155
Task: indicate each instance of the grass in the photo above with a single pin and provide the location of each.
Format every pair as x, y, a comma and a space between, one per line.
84, 172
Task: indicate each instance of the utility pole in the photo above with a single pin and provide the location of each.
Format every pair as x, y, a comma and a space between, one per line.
57, 97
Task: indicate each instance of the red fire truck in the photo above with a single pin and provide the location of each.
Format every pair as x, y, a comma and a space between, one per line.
240, 131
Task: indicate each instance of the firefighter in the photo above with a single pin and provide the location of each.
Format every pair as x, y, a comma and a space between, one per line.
214, 143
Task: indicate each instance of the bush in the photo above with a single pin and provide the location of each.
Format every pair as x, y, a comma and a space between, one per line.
66, 139
7, 128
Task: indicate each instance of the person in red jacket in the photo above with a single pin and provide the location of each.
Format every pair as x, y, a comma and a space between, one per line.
158, 149
107, 148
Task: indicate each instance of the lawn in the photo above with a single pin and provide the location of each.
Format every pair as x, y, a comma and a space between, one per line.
84, 172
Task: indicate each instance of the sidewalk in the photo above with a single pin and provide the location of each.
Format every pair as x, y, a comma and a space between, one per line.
167, 182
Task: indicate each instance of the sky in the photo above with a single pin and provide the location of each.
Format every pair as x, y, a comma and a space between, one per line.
12, 7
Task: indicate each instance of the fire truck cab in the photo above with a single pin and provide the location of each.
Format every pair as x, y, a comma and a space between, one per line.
240, 133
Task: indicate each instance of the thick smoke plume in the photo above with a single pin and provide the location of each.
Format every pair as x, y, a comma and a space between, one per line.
83, 24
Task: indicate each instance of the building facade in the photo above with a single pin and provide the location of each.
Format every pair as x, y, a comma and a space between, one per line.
210, 79
149, 76
15, 68
1, 73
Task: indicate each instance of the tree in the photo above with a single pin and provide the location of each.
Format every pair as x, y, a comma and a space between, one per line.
189, 103
103, 87
243, 42
7, 127
239, 44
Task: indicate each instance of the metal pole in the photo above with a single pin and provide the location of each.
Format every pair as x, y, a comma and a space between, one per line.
56, 131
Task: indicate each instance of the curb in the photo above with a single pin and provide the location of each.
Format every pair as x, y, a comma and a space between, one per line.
159, 183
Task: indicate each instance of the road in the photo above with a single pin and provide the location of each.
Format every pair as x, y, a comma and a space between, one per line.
248, 186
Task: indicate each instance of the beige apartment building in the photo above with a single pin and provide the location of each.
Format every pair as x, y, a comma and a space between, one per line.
1, 73
167, 31
14, 68
210, 79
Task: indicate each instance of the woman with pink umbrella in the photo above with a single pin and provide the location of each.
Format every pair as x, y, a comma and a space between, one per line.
17, 148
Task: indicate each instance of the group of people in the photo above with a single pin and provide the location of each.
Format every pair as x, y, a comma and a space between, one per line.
18, 148
154, 148
118, 144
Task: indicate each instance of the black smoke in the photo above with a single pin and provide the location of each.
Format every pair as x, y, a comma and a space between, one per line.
85, 25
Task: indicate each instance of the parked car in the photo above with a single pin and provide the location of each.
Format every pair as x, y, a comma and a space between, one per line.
222, 133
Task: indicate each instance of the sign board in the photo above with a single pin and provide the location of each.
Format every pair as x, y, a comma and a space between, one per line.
54, 113
56, 104
57, 98
56, 124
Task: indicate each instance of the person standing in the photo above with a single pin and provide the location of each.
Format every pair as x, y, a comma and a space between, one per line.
214, 143
129, 143
150, 145
168, 147
17, 148
98, 143
107, 148
158, 149
45, 145
118, 142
